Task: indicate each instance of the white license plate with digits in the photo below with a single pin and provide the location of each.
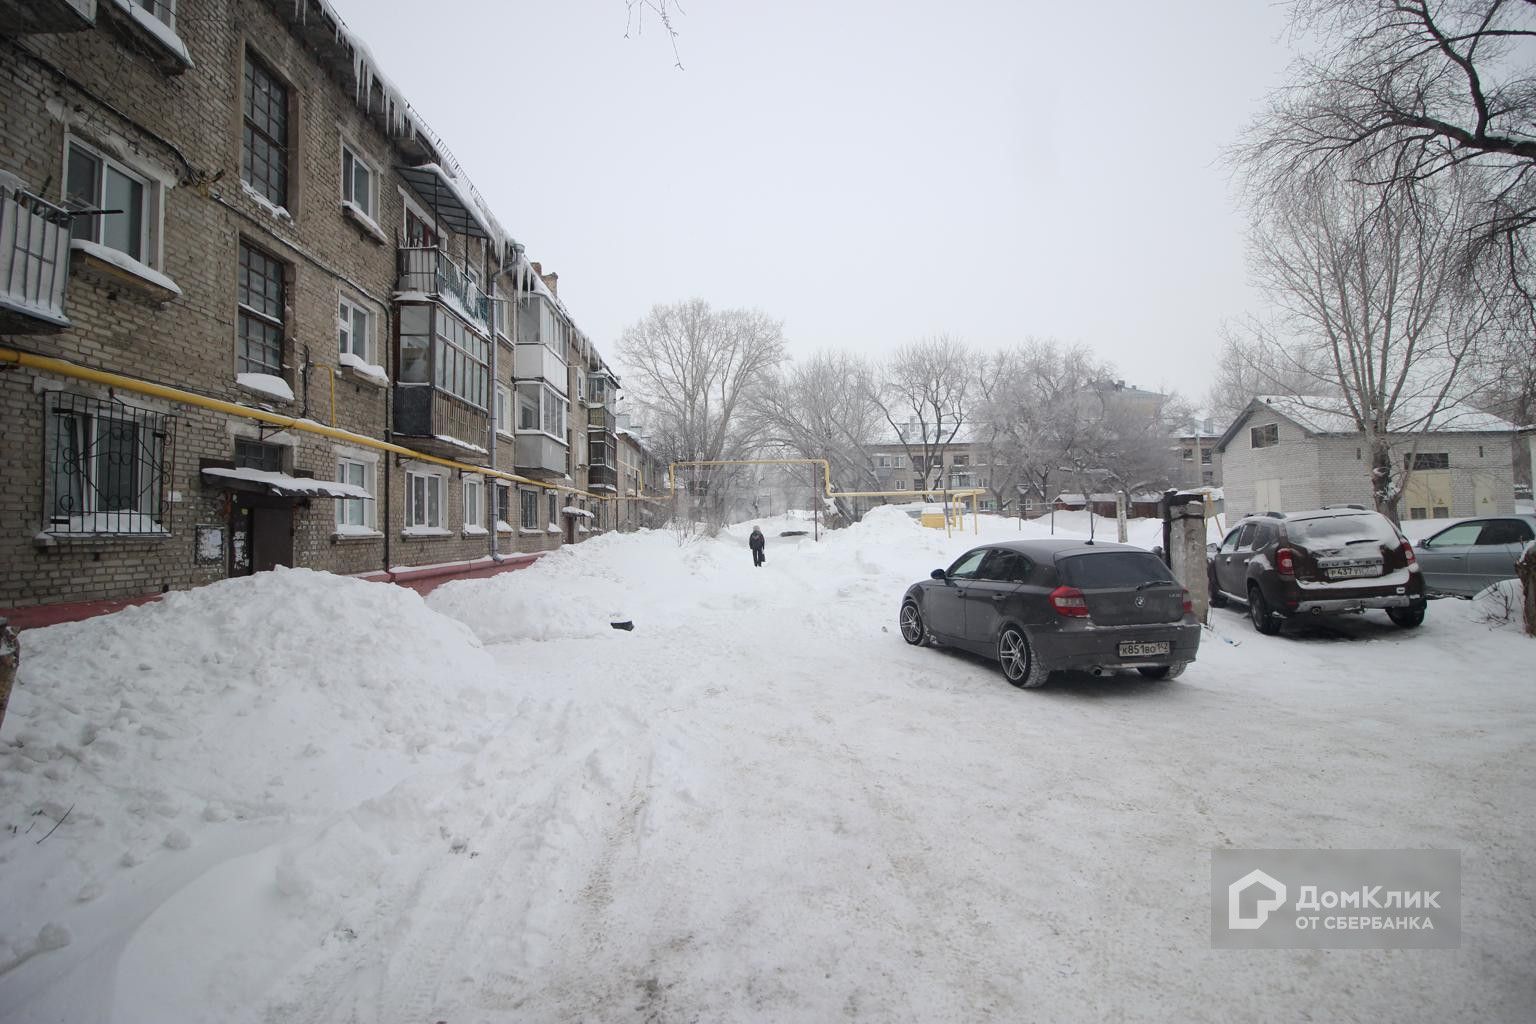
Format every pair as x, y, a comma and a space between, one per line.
1137, 649
1352, 571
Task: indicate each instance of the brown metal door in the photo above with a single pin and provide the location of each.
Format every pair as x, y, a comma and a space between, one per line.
271, 538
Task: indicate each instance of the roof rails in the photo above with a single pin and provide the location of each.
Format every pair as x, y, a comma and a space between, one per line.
1352, 505
1275, 515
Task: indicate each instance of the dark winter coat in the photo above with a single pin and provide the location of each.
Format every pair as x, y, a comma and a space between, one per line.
756, 541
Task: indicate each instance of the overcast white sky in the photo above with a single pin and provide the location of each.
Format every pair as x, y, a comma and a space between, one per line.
868, 171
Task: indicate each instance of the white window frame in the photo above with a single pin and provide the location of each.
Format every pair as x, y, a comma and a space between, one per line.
432, 482
505, 410
346, 461
503, 525
151, 212
473, 494
550, 402
370, 210
410, 205
346, 326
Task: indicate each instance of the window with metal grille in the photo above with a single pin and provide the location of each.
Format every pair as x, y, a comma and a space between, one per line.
256, 455
106, 467
261, 301
264, 156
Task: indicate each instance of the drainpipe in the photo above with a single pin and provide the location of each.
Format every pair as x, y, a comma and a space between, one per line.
490, 422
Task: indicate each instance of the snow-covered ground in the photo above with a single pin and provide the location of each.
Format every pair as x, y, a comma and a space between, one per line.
301, 798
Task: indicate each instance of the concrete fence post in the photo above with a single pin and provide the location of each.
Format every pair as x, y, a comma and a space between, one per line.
1186, 554
1525, 570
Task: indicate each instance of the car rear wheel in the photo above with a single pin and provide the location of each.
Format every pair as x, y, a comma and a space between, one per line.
1406, 617
912, 629
1258, 610
1163, 671
1018, 661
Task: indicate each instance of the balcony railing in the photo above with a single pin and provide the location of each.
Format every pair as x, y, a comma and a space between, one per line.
600, 418
434, 272
34, 261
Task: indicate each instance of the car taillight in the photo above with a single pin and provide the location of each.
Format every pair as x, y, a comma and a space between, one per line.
1069, 601
1407, 550
1189, 606
1285, 562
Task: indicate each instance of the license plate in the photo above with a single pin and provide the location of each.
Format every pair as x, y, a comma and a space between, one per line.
1135, 649
1352, 571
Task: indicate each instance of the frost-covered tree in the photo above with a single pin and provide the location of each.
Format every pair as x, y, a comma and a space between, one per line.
823, 408
695, 372
924, 394
1374, 303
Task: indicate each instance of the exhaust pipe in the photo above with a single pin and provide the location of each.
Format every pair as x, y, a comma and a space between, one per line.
1097, 670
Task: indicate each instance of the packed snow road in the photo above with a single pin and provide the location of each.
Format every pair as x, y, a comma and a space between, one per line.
760, 805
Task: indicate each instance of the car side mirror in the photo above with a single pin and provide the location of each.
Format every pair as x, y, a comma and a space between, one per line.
939, 574
1211, 549
1423, 544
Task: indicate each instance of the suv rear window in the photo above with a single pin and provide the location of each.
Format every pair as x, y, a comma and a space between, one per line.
1336, 531
1091, 570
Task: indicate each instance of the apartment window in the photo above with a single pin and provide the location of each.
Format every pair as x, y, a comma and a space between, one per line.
503, 506
1206, 476
106, 466
260, 312
264, 155
419, 231
93, 181
1266, 436
917, 484
359, 183
1205, 456
354, 512
499, 317
474, 514
503, 409
354, 330
415, 344
960, 460
424, 500
1189, 454
463, 360
540, 408
1428, 460
899, 461
901, 485
530, 509
883, 461
554, 508
257, 455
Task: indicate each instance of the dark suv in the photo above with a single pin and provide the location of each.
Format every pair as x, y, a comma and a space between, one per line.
1323, 562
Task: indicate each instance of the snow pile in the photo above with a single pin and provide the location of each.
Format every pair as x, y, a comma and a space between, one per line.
577, 591
163, 727
1501, 605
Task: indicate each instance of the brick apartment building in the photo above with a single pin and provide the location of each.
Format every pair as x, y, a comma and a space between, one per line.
320, 348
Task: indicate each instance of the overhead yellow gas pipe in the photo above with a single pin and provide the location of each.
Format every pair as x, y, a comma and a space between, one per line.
65, 368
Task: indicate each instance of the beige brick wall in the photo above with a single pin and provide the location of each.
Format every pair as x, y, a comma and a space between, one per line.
184, 131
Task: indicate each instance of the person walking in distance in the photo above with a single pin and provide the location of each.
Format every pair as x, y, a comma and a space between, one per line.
756, 541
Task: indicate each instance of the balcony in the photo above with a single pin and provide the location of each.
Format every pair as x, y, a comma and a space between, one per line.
440, 424
601, 392
601, 418
539, 362
34, 263
602, 478
432, 272
539, 455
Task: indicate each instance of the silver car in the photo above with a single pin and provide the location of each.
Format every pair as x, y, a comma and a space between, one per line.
1473, 555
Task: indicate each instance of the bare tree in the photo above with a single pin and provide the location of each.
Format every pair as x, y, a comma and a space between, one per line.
824, 408
695, 371
1248, 367
1402, 91
1374, 299
924, 394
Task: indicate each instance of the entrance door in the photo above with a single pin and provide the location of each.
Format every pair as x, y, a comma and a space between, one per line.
1427, 495
261, 535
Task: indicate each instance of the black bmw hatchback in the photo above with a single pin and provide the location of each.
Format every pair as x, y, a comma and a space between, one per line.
1040, 606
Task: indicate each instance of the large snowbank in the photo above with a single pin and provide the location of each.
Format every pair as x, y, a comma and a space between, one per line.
271, 698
